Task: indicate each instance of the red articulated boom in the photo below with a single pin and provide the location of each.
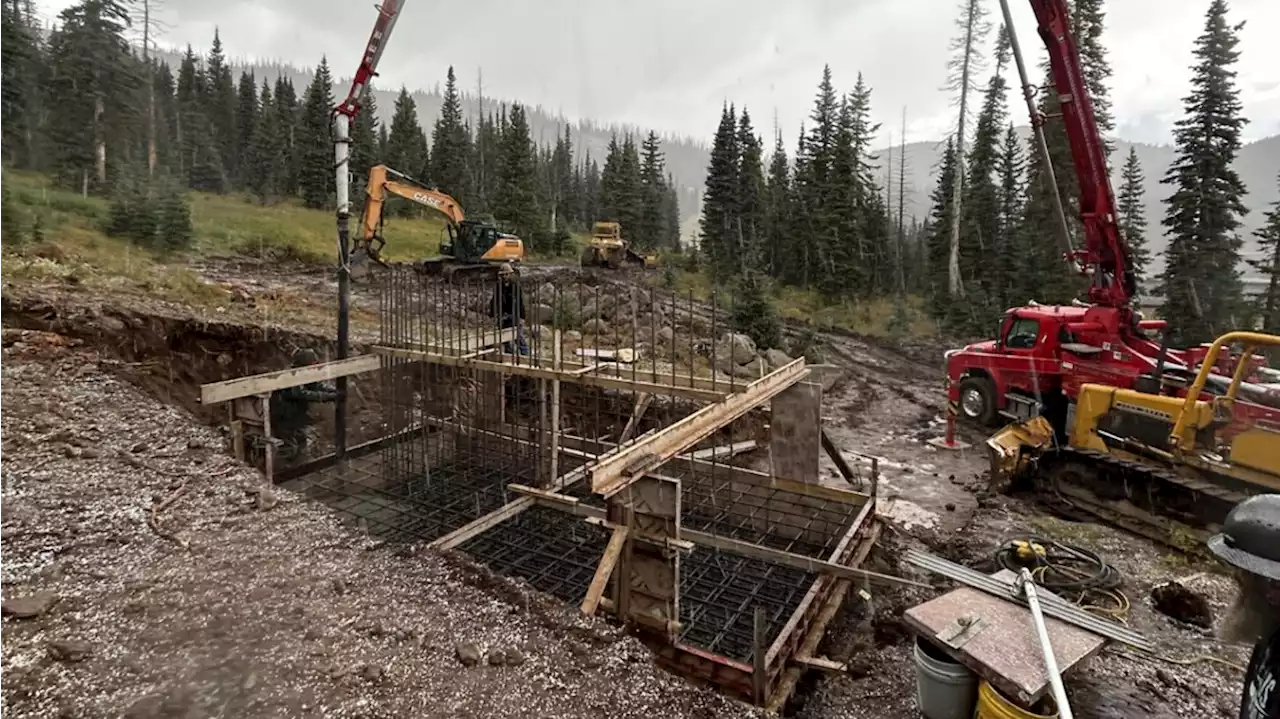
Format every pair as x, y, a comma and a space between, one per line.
343, 115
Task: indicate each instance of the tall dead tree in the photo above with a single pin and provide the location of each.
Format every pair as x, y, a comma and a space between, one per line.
150, 25
902, 203
965, 65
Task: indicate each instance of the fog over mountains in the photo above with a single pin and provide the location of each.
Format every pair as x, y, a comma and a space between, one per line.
687, 158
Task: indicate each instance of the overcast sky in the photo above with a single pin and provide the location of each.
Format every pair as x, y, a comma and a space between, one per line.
669, 64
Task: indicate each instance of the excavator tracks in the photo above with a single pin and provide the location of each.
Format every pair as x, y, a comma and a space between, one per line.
1179, 511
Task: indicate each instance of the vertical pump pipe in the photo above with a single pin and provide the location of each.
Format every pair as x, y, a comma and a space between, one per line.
343, 115
1028, 587
342, 183
1037, 125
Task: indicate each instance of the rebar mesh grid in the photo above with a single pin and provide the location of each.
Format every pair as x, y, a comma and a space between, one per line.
472, 424
557, 553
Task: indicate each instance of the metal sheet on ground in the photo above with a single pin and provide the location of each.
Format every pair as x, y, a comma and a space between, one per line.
1005, 651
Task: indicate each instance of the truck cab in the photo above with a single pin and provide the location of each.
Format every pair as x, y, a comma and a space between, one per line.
1017, 371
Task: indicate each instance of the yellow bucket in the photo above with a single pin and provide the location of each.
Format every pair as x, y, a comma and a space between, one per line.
993, 705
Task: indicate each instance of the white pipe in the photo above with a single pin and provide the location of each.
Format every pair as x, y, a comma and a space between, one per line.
342, 165
1050, 663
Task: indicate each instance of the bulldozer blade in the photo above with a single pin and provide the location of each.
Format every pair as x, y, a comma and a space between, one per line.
1015, 447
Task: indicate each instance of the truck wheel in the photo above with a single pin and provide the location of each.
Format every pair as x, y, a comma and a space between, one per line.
978, 400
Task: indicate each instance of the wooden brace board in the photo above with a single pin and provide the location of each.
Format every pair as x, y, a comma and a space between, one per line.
633, 460
568, 375
227, 390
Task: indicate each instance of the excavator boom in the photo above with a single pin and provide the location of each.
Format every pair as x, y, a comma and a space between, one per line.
474, 243
385, 182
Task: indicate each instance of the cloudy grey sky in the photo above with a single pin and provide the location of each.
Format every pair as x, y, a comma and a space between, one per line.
669, 64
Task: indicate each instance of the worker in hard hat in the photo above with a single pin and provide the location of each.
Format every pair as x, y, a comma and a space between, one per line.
290, 409
507, 306
1250, 542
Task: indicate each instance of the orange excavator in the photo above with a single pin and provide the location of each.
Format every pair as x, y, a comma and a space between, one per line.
473, 247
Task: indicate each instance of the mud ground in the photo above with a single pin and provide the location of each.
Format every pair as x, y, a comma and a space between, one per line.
168, 585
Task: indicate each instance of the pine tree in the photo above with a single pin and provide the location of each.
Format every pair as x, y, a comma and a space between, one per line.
1268, 263
653, 192
10, 227
287, 115
938, 236
451, 146
621, 192
487, 163
92, 93
1133, 220
265, 159
753, 313
563, 186
23, 66
1088, 23
315, 149
1201, 279
247, 111
173, 217
220, 108
516, 202
167, 151
750, 221
671, 216
404, 140
133, 213
365, 148
1009, 167
984, 251
199, 162
719, 203
779, 239
869, 244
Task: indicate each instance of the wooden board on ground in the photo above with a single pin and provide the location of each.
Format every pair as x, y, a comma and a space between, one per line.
1004, 650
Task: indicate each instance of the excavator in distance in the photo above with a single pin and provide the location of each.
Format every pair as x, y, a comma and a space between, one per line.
473, 247
1107, 420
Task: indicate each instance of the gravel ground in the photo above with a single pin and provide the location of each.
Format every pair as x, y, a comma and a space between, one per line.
146, 574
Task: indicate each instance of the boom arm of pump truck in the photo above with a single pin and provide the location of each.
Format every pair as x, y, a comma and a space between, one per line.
385, 182
1105, 254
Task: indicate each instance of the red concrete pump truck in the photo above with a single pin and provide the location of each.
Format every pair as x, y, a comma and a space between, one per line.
1044, 353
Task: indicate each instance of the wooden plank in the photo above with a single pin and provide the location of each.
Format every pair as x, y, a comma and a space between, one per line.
479, 526
1006, 651
637, 413
633, 460
822, 664
795, 432
227, 390
604, 570
539, 372
723, 452
842, 465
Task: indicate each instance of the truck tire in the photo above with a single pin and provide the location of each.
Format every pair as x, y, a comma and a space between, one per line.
978, 400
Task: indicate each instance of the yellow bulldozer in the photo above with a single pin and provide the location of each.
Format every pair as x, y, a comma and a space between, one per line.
1167, 459
606, 248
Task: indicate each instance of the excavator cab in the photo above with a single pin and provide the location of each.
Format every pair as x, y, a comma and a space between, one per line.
479, 241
